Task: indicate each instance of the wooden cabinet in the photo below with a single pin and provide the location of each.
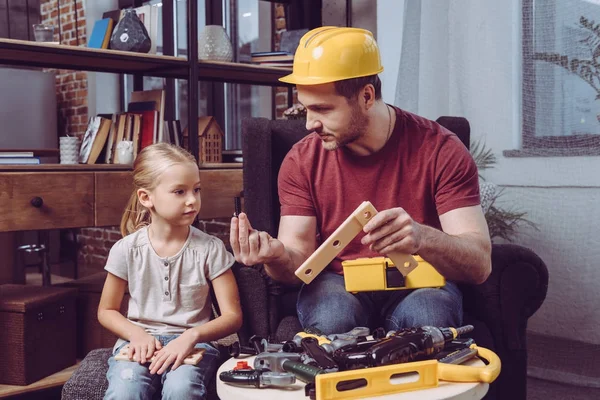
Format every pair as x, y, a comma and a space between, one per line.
47, 199
110, 197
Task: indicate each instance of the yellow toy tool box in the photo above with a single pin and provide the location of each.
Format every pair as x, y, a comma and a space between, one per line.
380, 273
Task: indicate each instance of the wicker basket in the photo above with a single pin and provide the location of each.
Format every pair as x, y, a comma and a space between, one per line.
37, 334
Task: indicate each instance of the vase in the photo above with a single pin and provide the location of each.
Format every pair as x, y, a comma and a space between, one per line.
125, 152
69, 149
130, 34
214, 44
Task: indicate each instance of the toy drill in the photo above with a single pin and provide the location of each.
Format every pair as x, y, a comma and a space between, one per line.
404, 346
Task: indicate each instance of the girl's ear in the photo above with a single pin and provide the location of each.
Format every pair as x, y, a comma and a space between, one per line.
144, 198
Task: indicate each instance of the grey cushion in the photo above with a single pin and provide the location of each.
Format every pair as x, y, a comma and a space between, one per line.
89, 382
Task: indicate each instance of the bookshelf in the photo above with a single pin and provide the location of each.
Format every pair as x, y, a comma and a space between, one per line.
46, 55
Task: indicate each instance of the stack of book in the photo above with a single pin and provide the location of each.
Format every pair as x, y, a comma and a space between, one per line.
14, 157
280, 59
143, 124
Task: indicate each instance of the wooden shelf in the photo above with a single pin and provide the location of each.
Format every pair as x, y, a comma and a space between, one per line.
48, 55
241, 73
64, 167
96, 167
57, 379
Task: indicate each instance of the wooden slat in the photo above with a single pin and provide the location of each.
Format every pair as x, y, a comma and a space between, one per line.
65, 167
68, 200
51, 381
48, 55
112, 192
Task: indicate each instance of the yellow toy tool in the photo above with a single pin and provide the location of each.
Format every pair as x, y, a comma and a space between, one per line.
368, 370
380, 273
397, 271
377, 381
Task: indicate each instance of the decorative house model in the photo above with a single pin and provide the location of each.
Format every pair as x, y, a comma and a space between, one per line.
210, 140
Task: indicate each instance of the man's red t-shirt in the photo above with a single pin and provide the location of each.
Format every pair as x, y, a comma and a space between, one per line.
423, 168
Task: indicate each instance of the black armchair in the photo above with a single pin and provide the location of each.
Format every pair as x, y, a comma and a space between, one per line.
499, 308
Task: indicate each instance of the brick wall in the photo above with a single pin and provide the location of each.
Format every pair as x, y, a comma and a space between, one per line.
71, 86
281, 93
95, 243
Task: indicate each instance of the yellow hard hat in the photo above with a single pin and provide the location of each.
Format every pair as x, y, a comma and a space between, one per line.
329, 54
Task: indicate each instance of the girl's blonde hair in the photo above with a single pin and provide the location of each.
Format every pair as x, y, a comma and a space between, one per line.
149, 165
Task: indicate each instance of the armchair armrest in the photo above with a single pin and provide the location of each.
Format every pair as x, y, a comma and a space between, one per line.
254, 301
513, 292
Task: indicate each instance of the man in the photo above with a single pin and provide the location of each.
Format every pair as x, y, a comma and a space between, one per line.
417, 174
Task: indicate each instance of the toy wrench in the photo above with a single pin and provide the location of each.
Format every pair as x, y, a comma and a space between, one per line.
340, 239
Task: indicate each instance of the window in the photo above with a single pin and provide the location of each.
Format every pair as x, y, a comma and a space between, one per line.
561, 76
249, 24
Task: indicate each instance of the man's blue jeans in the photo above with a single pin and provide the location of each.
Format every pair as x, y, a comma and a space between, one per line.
326, 305
130, 380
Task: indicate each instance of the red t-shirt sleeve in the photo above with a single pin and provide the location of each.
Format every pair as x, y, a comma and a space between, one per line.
457, 178
293, 187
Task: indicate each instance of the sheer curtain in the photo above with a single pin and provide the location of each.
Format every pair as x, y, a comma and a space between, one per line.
455, 55
480, 60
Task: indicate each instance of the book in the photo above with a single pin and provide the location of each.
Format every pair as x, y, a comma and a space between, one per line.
112, 135
100, 37
272, 56
115, 15
157, 96
141, 106
177, 131
122, 121
136, 133
19, 160
28, 152
94, 140
16, 154
149, 129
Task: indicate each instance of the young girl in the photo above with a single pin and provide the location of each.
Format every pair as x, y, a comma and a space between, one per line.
167, 264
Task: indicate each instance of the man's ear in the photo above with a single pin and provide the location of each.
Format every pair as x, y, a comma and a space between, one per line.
144, 198
367, 97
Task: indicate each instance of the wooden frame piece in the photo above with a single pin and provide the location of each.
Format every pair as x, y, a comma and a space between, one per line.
340, 239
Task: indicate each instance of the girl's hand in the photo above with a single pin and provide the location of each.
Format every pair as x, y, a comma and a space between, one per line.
142, 346
173, 353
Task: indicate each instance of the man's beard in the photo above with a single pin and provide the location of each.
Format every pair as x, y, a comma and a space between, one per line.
356, 128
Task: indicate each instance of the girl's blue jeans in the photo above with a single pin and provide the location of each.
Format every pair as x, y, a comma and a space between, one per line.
130, 380
326, 305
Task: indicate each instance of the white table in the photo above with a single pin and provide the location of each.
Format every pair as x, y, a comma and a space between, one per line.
445, 390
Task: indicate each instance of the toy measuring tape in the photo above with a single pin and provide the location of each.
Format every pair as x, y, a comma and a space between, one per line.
377, 381
340, 238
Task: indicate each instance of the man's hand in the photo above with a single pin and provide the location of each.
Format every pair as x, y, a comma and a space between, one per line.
173, 353
142, 347
393, 230
252, 247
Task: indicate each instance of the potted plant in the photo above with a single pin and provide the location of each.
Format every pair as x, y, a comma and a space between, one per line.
502, 221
